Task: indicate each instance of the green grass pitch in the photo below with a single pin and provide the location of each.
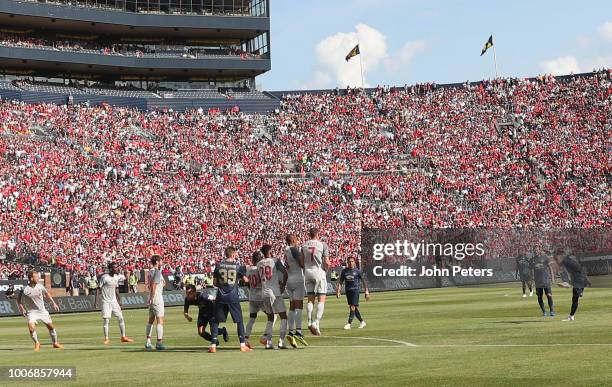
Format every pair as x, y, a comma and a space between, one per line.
439, 337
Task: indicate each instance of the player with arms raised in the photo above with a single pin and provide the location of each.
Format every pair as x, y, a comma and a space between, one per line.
273, 275
226, 278
316, 261
32, 307
156, 303
295, 289
111, 302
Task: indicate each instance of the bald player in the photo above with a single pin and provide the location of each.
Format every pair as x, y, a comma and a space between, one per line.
32, 306
111, 302
315, 255
295, 289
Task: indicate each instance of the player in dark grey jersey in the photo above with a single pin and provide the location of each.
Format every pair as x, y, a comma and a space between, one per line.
578, 279
543, 275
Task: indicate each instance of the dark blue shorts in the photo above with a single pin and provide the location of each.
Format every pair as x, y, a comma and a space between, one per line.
221, 311
352, 297
203, 319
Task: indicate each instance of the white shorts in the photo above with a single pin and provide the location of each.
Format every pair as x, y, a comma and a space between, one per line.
156, 310
34, 316
109, 308
295, 290
255, 306
274, 305
315, 282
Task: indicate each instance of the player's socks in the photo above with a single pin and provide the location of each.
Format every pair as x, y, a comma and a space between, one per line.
240, 331
53, 334
351, 317
224, 334
550, 305
309, 309
358, 315
541, 303
34, 336
148, 332
283, 330
298, 320
160, 332
122, 326
105, 329
249, 326
291, 320
320, 310
268, 331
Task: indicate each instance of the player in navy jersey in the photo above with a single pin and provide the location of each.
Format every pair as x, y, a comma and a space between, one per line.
206, 309
524, 273
352, 278
543, 275
226, 278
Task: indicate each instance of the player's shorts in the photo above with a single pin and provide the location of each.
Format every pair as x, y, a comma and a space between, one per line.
109, 308
352, 297
274, 305
315, 282
525, 277
296, 290
203, 319
540, 291
255, 306
577, 292
34, 316
156, 310
221, 311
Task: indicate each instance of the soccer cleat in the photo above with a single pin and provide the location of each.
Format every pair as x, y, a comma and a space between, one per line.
524, 295
312, 329
37, 347
282, 346
531, 293
347, 327
243, 348
160, 346
148, 346
300, 338
362, 324
214, 349
569, 318
544, 314
58, 346
292, 340
106, 342
263, 340
248, 344
552, 314
317, 328
225, 335
269, 345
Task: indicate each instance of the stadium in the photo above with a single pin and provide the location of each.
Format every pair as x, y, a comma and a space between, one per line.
143, 169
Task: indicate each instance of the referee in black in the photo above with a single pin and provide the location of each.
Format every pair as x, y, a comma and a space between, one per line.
578, 279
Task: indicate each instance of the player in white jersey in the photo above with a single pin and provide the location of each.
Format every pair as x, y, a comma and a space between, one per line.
108, 289
315, 255
273, 275
156, 303
295, 289
32, 306
255, 296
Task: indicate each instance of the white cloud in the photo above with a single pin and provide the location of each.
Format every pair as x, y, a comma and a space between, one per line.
605, 30
561, 66
404, 56
333, 70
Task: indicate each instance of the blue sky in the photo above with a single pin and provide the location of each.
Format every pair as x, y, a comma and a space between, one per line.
411, 41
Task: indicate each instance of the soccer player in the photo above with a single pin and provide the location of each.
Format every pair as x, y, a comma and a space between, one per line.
226, 278
578, 279
295, 289
352, 278
523, 272
156, 303
273, 275
206, 308
316, 261
255, 296
111, 302
32, 306
543, 275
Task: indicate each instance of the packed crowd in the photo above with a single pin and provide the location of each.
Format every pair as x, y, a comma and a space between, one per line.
100, 183
137, 50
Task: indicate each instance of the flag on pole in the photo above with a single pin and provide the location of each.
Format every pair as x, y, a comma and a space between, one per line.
487, 45
352, 53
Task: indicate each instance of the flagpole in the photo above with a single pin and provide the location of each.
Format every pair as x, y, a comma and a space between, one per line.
495, 58
361, 66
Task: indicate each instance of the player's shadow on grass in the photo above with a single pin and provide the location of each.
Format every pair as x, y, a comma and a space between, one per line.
516, 322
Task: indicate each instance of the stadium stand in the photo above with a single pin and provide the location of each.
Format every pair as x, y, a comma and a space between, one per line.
81, 185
